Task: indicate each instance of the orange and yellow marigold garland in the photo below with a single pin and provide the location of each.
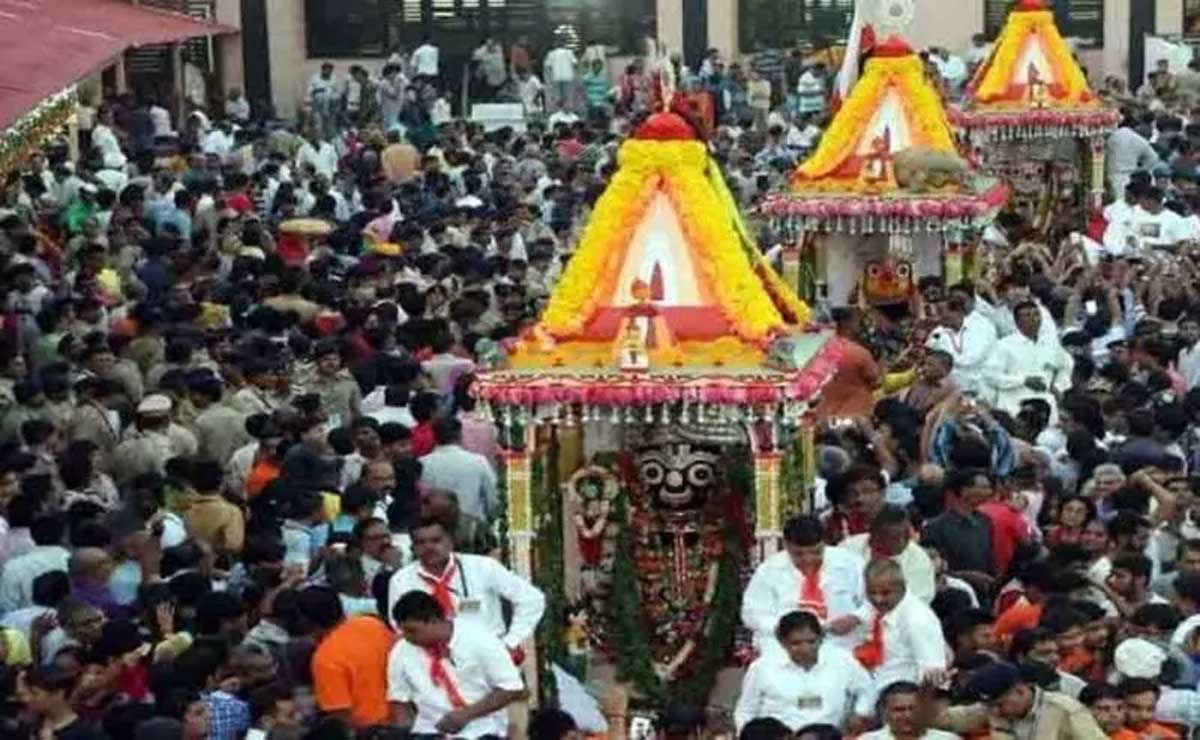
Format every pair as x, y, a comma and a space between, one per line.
795, 311
679, 168
926, 116
996, 82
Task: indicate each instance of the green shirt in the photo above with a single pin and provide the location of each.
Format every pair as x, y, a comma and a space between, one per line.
77, 214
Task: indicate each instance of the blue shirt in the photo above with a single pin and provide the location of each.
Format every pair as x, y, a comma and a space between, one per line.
177, 217
124, 582
302, 542
229, 716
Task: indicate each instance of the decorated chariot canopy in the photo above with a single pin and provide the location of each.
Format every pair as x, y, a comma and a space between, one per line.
1031, 86
888, 163
667, 311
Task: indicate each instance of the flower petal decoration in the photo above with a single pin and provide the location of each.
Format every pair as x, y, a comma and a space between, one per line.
1000, 82
747, 296
836, 164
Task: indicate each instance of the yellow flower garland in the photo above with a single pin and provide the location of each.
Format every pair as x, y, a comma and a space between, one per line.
679, 168
778, 287
924, 109
1002, 67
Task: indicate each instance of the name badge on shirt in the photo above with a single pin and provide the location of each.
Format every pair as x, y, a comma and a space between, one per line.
470, 606
809, 702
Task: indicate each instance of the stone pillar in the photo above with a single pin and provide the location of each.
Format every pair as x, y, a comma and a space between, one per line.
119, 74
230, 61
73, 137
670, 23
723, 27
179, 98
1168, 17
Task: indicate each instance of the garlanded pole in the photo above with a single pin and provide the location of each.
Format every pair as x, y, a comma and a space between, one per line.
518, 477
768, 524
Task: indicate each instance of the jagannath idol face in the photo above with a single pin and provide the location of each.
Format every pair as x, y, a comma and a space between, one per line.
888, 281
678, 476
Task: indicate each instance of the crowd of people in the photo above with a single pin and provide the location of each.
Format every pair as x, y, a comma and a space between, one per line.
246, 491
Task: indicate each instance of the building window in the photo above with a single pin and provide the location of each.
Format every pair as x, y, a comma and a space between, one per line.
1082, 20
374, 28
621, 25
1191, 17
781, 24
347, 28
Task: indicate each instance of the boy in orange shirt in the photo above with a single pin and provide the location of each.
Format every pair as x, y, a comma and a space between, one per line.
1141, 696
349, 666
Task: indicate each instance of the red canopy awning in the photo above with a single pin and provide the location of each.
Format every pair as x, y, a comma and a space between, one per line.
51, 44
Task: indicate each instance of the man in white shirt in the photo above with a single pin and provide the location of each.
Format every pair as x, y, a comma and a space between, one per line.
1119, 236
1026, 366
1009, 292
900, 638
448, 677
532, 92
48, 589
394, 408
1128, 152
560, 78
1189, 356
969, 338
237, 108
902, 708
469, 587
16, 579
1154, 226
978, 53
451, 468
424, 60
161, 118
950, 66
103, 137
891, 537
112, 176
325, 97
219, 140
1118, 216
808, 682
318, 154
806, 576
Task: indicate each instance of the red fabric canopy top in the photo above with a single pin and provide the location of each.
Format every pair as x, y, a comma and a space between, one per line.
51, 44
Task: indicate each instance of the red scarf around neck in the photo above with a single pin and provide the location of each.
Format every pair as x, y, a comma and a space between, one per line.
440, 677
870, 653
440, 589
812, 598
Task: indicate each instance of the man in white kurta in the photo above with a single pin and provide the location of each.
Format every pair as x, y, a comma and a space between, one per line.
1027, 365
455, 674
891, 537
778, 585
1001, 313
800, 686
967, 336
471, 587
899, 637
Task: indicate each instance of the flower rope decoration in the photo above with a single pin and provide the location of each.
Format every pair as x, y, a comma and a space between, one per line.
1070, 87
926, 118
29, 132
680, 170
